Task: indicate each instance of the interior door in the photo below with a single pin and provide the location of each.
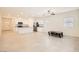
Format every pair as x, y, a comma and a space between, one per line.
6, 24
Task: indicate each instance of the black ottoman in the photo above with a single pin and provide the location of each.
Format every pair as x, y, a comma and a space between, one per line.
55, 33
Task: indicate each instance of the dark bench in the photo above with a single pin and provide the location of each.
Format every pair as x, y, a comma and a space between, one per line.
55, 33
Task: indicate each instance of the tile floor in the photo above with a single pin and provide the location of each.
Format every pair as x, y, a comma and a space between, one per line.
37, 42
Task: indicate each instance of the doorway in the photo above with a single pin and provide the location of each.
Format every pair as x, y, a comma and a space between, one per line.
6, 24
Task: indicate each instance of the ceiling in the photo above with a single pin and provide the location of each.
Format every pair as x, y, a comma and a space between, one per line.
32, 11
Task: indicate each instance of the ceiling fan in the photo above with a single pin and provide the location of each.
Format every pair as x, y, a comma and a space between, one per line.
50, 12
47, 13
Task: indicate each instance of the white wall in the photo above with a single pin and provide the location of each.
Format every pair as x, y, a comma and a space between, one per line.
0, 26
56, 23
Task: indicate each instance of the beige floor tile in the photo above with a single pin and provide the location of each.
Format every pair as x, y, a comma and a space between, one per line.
37, 42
